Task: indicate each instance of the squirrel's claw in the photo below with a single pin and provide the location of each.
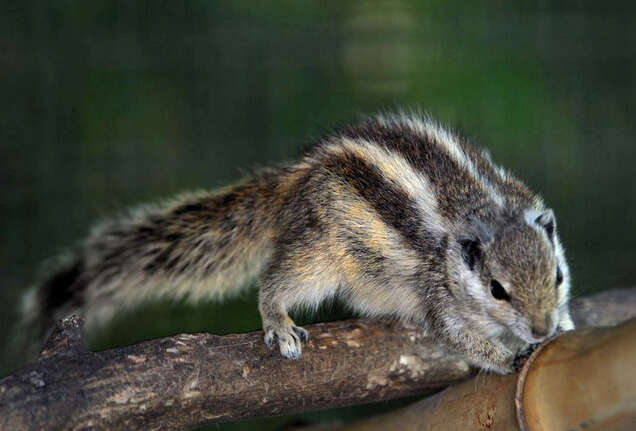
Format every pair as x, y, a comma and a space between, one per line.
289, 340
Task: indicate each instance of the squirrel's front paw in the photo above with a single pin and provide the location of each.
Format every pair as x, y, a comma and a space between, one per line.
522, 356
290, 339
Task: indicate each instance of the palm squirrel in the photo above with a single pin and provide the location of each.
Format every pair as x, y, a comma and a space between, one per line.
397, 216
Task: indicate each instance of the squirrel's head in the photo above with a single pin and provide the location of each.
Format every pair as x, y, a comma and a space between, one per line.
517, 275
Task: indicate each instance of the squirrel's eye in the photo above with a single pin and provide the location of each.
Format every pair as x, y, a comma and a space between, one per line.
559, 276
498, 292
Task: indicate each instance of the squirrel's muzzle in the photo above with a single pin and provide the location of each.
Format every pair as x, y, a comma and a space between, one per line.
542, 326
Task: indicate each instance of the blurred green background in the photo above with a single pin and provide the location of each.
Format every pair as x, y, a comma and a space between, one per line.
106, 104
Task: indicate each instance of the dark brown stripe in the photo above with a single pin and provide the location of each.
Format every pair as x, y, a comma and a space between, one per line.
299, 218
393, 205
372, 262
456, 190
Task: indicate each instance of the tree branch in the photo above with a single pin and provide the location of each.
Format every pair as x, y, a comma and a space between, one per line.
194, 379
578, 380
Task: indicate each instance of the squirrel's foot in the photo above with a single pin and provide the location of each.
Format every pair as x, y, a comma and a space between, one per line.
290, 338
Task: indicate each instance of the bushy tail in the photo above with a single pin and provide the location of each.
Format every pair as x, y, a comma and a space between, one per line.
198, 246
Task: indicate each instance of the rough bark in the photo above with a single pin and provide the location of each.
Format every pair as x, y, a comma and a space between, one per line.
193, 379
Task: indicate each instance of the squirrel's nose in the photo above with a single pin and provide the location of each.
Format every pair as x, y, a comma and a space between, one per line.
542, 327
539, 332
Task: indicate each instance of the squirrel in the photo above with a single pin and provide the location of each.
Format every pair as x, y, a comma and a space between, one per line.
396, 215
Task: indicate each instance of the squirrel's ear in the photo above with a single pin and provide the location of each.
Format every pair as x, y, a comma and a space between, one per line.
471, 251
546, 220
